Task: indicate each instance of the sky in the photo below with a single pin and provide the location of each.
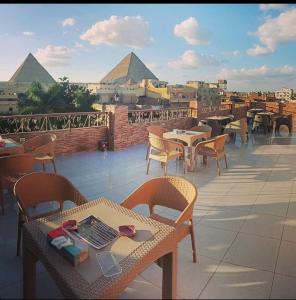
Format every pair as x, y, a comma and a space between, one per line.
252, 46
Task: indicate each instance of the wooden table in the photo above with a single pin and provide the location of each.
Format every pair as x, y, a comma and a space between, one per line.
153, 240
11, 147
189, 137
255, 110
217, 123
218, 118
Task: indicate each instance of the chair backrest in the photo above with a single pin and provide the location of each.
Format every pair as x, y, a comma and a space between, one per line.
250, 114
16, 164
258, 118
203, 128
39, 187
44, 144
156, 131
157, 143
219, 142
169, 191
243, 124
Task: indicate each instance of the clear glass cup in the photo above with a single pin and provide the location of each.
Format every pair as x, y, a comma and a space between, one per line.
108, 264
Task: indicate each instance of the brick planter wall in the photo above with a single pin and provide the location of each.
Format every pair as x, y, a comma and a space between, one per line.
125, 134
74, 140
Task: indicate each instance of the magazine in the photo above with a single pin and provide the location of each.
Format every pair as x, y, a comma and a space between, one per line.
95, 232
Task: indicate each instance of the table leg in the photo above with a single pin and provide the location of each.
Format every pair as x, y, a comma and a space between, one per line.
169, 275
29, 274
190, 167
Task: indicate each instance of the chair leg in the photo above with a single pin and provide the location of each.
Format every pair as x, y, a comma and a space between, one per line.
43, 164
165, 168
2, 201
218, 166
148, 150
54, 167
226, 165
193, 242
148, 166
19, 234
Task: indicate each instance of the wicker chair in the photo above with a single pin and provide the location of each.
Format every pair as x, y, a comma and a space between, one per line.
213, 148
12, 167
41, 187
163, 150
43, 147
239, 126
154, 131
203, 128
172, 192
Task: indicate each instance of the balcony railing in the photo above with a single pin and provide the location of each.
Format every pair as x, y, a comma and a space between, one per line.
149, 115
49, 122
223, 106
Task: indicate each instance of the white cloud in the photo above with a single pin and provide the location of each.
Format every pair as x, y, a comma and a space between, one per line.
79, 45
189, 30
28, 33
272, 6
258, 50
68, 22
263, 72
275, 31
153, 66
236, 53
128, 31
53, 55
192, 60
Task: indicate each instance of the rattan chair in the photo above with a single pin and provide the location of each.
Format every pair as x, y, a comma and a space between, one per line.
172, 192
203, 128
257, 123
240, 127
163, 150
12, 167
41, 187
213, 148
154, 131
43, 147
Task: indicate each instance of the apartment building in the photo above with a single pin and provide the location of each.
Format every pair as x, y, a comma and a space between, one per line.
284, 93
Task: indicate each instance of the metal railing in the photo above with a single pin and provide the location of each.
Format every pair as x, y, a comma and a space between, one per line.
149, 115
221, 107
49, 122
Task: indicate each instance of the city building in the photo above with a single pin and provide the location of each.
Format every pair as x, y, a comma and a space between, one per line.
284, 94
8, 103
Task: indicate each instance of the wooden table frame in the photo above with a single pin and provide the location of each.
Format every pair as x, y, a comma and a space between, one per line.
189, 139
72, 286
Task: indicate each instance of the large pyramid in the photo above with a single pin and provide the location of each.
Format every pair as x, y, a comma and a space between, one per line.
31, 70
130, 69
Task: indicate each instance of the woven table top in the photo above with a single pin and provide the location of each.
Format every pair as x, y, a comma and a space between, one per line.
153, 240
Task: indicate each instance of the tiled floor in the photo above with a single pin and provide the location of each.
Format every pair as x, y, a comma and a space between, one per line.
245, 222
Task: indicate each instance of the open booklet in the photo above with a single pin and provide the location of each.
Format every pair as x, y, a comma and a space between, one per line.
95, 232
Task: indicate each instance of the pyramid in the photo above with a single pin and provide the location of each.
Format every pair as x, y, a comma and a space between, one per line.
131, 69
31, 70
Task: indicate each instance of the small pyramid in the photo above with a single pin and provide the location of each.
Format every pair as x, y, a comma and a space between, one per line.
131, 68
31, 70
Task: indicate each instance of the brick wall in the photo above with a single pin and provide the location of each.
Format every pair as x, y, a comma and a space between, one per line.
74, 140
125, 134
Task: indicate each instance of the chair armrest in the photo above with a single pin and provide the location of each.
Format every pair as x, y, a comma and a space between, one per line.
137, 197
172, 145
186, 214
79, 199
203, 143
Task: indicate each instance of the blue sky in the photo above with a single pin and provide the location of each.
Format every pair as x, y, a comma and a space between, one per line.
252, 46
